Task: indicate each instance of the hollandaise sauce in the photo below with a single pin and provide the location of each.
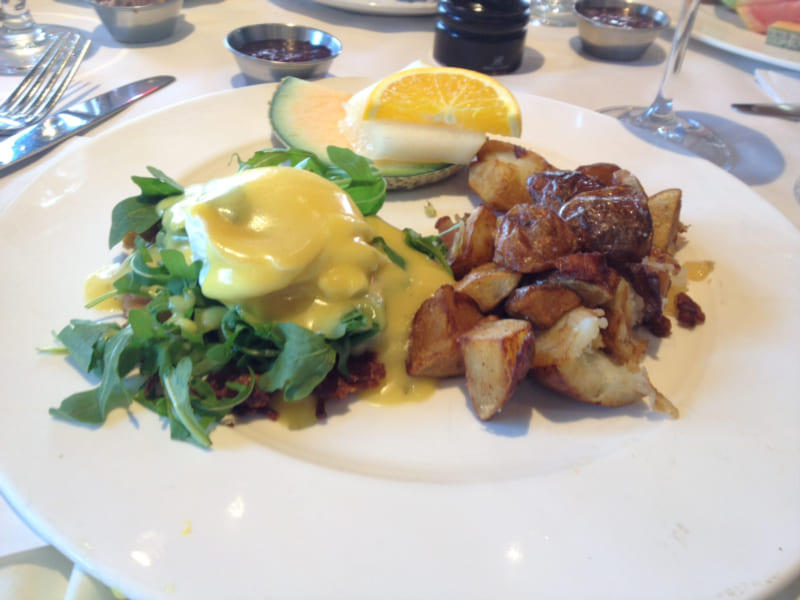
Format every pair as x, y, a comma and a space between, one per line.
285, 245
404, 289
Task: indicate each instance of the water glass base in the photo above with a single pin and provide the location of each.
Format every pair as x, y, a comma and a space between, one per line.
20, 49
554, 13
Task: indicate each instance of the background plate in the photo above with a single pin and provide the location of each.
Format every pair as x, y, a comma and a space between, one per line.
421, 500
722, 28
384, 7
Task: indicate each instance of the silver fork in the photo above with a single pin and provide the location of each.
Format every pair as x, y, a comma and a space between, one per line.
42, 87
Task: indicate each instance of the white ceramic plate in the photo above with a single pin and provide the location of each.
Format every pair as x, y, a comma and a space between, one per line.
384, 7
553, 499
722, 28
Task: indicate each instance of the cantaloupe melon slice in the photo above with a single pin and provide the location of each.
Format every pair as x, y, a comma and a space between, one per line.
758, 15
306, 115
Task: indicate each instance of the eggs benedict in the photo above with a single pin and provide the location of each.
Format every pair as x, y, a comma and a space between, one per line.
281, 244
268, 291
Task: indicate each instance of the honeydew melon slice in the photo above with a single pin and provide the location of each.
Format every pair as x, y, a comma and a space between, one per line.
307, 115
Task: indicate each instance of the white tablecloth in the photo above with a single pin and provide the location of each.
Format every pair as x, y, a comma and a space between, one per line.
768, 149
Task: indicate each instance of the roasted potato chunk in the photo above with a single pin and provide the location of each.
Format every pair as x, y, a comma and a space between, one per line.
473, 243
588, 275
602, 171
499, 172
665, 212
568, 360
625, 177
613, 220
433, 349
497, 356
623, 313
488, 284
541, 303
530, 238
552, 189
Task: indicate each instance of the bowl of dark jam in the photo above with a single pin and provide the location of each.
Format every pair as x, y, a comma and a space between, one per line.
616, 29
272, 51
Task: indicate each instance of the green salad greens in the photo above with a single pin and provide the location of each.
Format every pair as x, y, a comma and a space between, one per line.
190, 358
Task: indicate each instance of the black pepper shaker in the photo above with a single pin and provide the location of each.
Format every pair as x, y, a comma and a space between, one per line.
486, 36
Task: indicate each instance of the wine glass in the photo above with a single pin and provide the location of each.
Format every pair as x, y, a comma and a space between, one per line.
660, 120
22, 40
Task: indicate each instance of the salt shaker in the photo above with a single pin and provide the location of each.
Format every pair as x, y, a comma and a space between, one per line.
486, 36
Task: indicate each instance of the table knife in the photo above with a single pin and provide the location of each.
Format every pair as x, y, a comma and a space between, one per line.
785, 110
75, 119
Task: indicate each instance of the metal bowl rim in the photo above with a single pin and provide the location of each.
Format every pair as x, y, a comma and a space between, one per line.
331, 42
144, 8
661, 19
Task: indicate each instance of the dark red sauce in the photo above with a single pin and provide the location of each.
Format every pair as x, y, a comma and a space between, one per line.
619, 17
285, 50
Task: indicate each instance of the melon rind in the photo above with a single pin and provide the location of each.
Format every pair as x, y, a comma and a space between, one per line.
305, 115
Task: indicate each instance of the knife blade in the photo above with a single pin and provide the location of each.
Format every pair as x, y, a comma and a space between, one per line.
75, 119
784, 110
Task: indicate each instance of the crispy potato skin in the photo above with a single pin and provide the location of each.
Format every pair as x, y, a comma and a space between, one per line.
613, 220
497, 355
604, 172
553, 189
433, 349
530, 238
541, 303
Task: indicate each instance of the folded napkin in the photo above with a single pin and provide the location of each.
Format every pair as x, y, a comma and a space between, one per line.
780, 87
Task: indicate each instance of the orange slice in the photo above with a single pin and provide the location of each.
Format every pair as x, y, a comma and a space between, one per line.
446, 96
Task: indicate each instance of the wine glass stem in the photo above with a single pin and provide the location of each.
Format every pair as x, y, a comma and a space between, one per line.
661, 107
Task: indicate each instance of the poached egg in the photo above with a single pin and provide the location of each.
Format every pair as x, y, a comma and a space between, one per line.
281, 244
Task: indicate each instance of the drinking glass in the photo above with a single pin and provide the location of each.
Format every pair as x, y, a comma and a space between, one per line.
555, 13
22, 40
660, 120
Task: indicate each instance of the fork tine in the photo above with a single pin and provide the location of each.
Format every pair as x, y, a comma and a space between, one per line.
33, 80
58, 84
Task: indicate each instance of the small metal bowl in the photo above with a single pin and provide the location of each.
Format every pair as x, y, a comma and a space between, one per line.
262, 69
149, 22
618, 38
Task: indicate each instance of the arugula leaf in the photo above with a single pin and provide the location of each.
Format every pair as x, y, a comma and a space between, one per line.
305, 359
160, 184
132, 214
138, 213
84, 407
81, 339
367, 188
354, 328
380, 243
272, 157
176, 386
111, 382
431, 245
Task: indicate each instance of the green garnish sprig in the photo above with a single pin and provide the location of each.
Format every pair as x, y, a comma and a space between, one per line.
351, 172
